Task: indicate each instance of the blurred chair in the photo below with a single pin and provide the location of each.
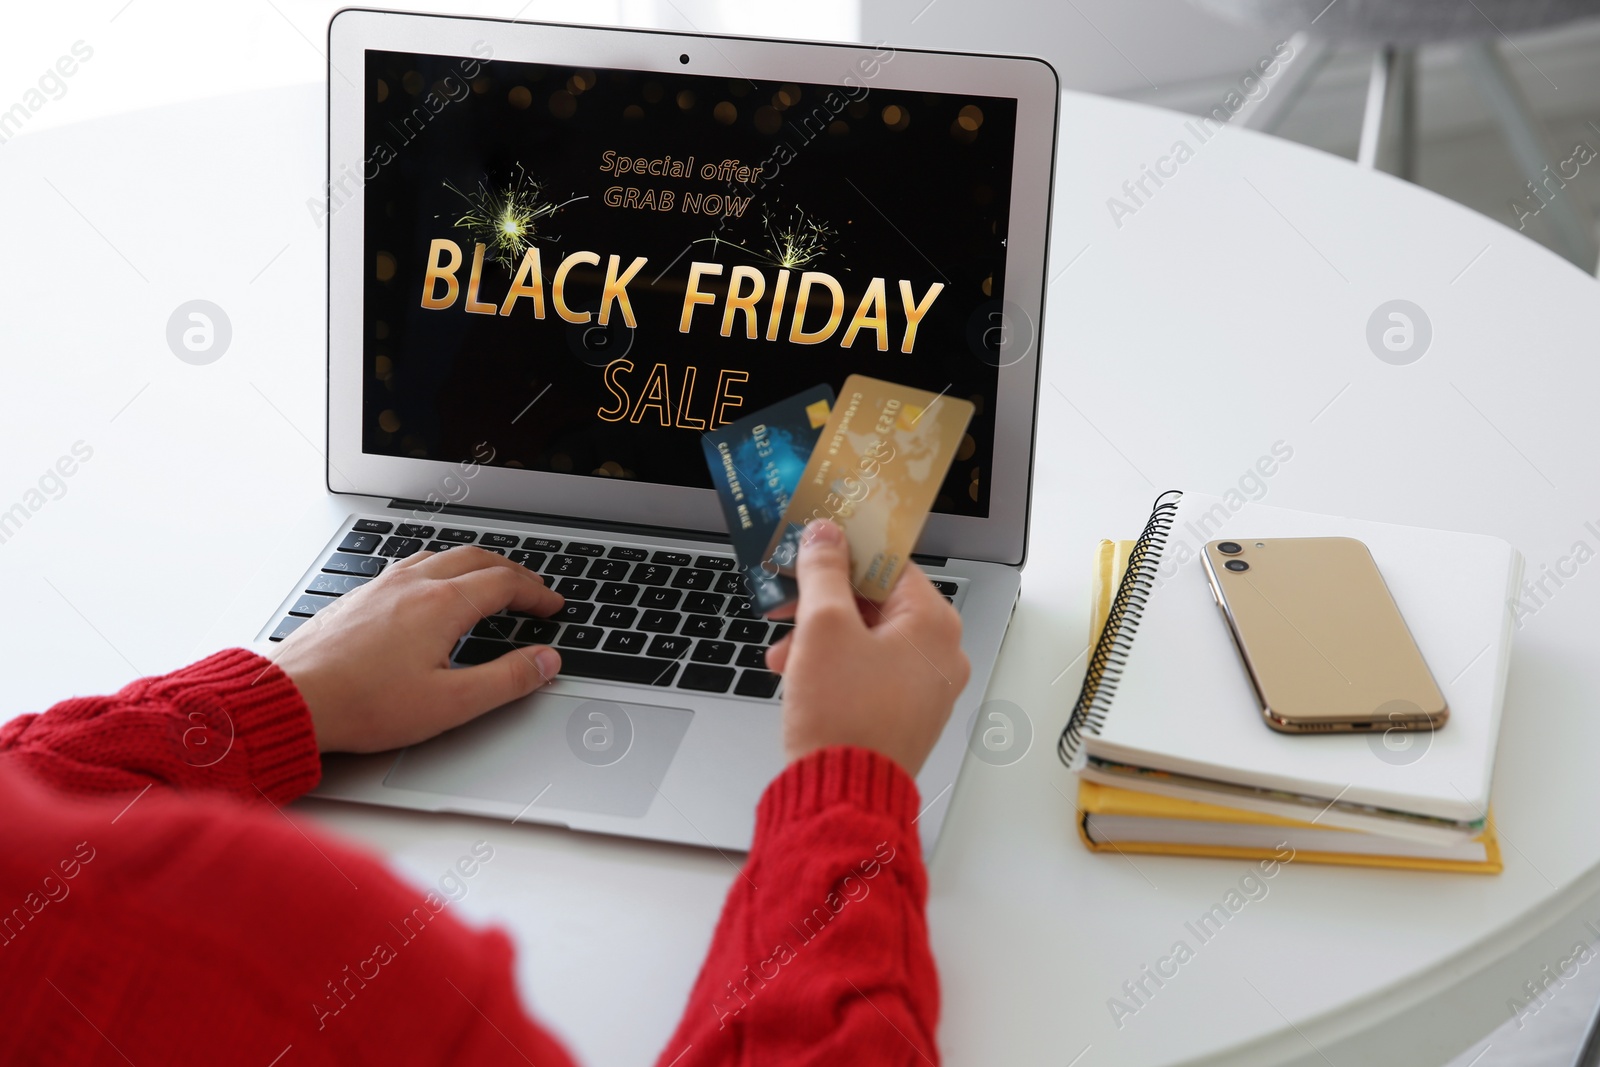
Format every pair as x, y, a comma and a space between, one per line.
1394, 30
1589, 1053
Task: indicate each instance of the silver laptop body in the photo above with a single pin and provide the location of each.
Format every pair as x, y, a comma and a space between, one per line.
468, 408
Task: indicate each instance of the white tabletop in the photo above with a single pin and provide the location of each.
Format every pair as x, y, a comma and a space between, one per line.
1226, 313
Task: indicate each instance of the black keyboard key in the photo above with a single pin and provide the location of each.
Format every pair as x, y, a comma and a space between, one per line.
752, 656
366, 566
583, 548
630, 642
408, 529
611, 667
742, 608
780, 630
285, 628
400, 547
460, 537
336, 584
714, 563
574, 611
757, 684
499, 626
441, 546
747, 630
665, 599
689, 578
309, 604
567, 565
576, 588
713, 652
542, 544
650, 574
660, 622
732, 584
608, 570
703, 603
702, 626
706, 678
359, 542
537, 632
632, 555
612, 615
616, 593
377, 526
671, 559
580, 637
476, 650
531, 560
496, 551
499, 540
671, 647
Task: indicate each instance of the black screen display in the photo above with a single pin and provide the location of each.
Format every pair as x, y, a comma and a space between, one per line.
580, 270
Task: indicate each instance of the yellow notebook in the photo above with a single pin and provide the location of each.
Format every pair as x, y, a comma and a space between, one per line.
1126, 820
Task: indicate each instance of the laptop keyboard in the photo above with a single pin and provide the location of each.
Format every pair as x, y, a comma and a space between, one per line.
633, 614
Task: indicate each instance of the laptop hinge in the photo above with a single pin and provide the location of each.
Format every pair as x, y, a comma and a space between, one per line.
423, 510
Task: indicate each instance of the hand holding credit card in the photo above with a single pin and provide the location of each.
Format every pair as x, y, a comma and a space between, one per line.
755, 465
875, 470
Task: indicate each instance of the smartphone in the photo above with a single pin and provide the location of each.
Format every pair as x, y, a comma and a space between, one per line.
1321, 637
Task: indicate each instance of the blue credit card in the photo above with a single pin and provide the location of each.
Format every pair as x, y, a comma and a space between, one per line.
755, 465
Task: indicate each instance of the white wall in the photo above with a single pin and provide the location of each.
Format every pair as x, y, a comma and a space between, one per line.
1103, 46
148, 52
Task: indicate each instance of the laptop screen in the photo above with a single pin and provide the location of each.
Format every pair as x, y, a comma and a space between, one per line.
581, 270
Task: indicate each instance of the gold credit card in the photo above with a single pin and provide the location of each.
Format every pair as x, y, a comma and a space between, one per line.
875, 471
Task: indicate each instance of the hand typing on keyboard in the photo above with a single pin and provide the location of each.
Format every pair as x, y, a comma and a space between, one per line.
883, 678
374, 668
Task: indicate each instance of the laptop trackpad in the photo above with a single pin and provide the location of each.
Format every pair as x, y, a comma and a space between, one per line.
571, 753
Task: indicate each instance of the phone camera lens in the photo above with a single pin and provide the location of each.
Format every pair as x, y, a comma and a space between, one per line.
684, 59
1229, 548
1237, 565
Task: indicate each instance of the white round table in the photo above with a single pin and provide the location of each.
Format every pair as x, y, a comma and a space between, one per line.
1225, 312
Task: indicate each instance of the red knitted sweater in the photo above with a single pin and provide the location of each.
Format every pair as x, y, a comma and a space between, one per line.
158, 907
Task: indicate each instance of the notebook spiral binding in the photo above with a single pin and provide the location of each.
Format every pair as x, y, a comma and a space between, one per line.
1122, 623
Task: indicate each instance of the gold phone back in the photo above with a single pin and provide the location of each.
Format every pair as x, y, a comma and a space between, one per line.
1321, 636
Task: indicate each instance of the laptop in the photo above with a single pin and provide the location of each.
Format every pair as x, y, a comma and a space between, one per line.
558, 255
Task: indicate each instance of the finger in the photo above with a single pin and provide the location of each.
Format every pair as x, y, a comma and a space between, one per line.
474, 690
464, 560
495, 589
823, 572
871, 614
778, 653
409, 562
913, 597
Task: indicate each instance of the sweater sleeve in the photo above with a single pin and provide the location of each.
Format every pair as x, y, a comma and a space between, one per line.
183, 932
232, 722
821, 955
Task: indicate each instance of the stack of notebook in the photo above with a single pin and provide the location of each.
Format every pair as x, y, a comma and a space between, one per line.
1167, 734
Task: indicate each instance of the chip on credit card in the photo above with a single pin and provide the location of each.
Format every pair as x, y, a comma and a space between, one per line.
876, 469
755, 464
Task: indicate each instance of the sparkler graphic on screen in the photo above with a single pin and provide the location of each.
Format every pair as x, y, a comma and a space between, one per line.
505, 218
794, 242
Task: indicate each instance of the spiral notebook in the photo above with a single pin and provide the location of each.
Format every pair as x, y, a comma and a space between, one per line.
1166, 706
1112, 819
